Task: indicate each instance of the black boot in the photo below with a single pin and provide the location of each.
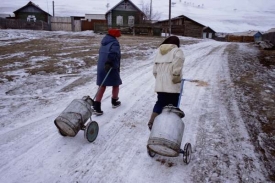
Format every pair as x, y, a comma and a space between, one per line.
151, 121
115, 103
97, 108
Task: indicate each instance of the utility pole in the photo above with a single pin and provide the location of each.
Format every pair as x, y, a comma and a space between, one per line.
53, 8
151, 11
169, 17
107, 5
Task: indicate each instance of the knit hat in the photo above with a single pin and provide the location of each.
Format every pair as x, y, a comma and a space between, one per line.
114, 32
172, 40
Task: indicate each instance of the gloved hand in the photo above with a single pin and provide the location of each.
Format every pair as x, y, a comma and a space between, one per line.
176, 79
108, 65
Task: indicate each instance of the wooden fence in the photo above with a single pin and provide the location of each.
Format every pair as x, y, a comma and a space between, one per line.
145, 29
23, 24
243, 39
89, 25
233, 38
65, 24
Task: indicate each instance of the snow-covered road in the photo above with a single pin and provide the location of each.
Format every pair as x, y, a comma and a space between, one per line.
33, 151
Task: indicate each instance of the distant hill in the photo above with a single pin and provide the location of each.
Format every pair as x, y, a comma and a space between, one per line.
222, 16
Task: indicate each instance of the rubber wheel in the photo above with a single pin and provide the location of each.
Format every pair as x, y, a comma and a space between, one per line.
151, 153
91, 131
187, 153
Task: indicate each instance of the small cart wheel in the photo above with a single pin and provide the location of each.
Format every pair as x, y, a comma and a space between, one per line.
187, 153
91, 131
151, 153
62, 133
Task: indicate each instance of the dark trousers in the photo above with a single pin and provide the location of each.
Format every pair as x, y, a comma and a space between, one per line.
165, 99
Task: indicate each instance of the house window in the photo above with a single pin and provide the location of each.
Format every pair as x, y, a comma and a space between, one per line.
131, 20
31, 18
119, 20
210, 35
109, 18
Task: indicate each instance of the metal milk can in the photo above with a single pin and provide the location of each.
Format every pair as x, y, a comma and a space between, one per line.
167, 132
73, 118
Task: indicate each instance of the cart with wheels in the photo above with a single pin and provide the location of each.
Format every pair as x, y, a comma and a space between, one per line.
167, 132
74, 118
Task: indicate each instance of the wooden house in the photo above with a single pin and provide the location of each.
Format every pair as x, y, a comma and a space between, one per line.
32, 13
248, 36
269, 36
124, 14
127, 17
29, 16
184, 26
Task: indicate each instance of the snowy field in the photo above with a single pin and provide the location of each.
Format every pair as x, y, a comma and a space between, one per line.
42, 72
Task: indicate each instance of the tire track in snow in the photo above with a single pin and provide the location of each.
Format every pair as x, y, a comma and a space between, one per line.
221, 132
39, 144
21, 134
122, 148
196, 68
114, 125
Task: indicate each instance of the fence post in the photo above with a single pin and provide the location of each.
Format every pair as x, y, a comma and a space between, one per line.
72, 23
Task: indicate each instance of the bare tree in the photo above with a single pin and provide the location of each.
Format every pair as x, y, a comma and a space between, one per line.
149, 12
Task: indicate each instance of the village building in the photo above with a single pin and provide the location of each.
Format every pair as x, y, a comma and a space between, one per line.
91, 19
248, 36
269, 36
125, 13
127, 17
32, 13
30, 16
185, 26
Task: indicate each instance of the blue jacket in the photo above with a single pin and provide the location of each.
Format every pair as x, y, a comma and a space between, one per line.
109, 52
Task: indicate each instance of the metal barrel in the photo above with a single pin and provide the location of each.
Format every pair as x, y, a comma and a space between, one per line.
167, 132
73, 118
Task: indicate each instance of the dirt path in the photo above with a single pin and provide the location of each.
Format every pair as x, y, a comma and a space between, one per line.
254, 84
223, 149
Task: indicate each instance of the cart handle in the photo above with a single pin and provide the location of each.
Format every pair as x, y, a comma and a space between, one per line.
102, 82
181, 89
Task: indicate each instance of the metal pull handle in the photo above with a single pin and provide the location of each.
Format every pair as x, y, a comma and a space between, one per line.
102, 82
181, 89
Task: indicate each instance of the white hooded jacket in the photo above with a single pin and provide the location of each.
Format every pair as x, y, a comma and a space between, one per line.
167, 68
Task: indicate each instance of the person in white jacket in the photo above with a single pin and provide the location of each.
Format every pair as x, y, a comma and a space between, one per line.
167, 70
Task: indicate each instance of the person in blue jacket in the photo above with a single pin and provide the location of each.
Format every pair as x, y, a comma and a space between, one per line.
109, 58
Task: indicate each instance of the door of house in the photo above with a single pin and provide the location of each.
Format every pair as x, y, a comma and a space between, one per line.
204, 35
210, 35
77, 25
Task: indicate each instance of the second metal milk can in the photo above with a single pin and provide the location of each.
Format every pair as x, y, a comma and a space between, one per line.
167, 132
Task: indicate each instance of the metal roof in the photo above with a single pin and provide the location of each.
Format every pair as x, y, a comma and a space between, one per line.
120, 3
271, 30
183, 16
